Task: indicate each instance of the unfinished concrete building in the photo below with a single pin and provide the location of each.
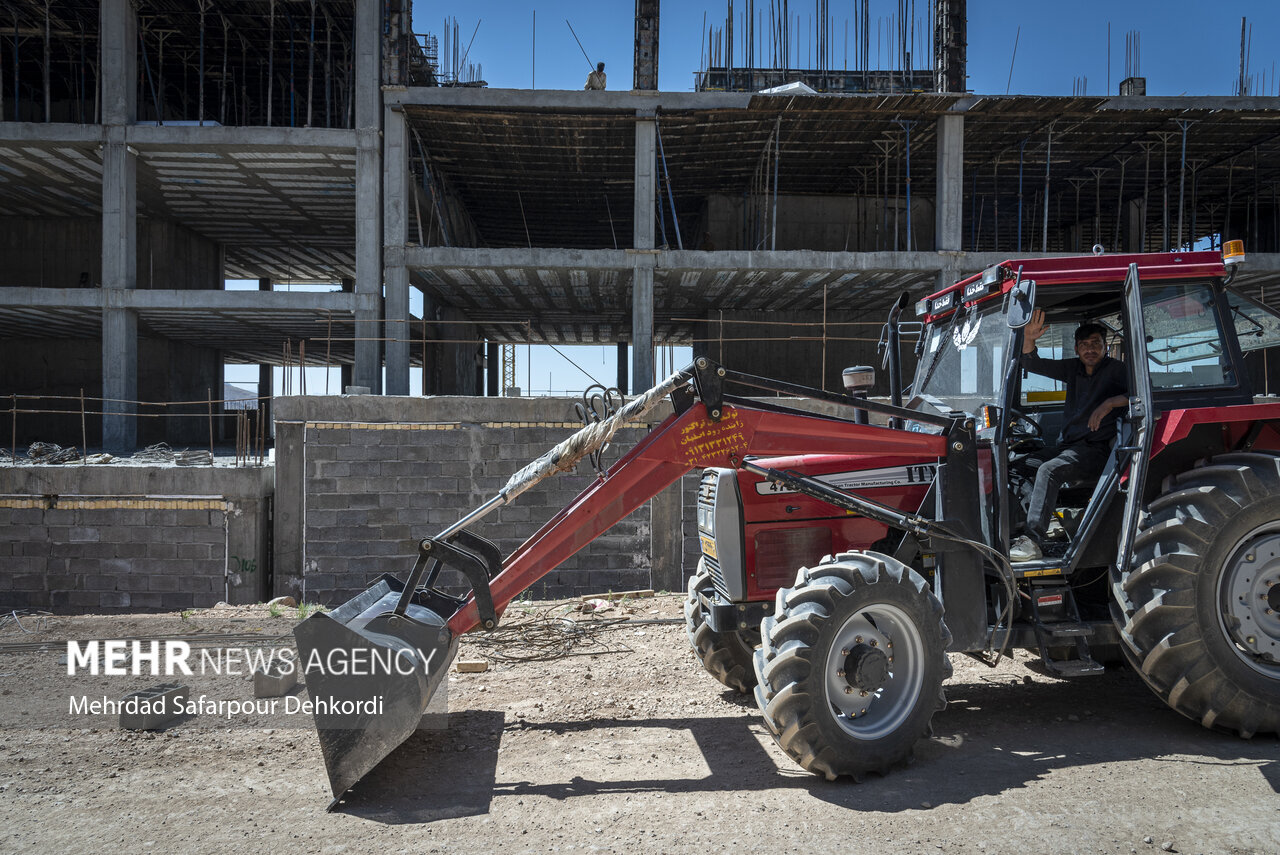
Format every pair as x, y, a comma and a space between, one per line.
151, 151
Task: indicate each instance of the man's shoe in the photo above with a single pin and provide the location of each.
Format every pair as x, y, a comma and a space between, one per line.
1024, 549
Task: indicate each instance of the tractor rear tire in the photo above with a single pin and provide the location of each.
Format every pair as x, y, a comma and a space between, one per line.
1201, 608
725, 656
851, 665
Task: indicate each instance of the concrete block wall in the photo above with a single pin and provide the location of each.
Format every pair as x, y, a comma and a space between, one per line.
362, 479
132, 538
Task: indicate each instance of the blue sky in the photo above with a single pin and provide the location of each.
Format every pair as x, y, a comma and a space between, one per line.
1186, 47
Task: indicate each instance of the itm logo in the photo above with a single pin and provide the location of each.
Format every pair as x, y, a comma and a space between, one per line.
125, 658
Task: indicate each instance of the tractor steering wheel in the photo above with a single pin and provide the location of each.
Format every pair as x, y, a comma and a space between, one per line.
1022, 428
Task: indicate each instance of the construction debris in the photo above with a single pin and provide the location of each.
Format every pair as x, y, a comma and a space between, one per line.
621, 595
193, 458
48, 452
160, 453
152, 709
472, 666
276, 680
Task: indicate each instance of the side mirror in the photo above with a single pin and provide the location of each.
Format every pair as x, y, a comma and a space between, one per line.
1022, 302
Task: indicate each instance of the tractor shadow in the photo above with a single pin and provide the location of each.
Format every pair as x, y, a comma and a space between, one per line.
993, 737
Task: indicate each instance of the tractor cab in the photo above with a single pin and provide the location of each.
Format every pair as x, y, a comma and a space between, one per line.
1180, 331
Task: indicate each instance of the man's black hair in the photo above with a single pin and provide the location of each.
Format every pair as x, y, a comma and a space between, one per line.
1088, 329
599, 66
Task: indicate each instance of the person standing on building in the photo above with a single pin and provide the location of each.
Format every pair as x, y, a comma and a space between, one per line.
596, 79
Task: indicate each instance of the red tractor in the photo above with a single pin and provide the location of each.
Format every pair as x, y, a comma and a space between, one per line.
842, 560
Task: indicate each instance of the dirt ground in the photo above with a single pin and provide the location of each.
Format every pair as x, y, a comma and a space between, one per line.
628, 746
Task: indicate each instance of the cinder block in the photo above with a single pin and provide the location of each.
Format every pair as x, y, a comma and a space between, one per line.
193, 551
197, 519
176, 601
276, 680
25, 516
455, 468
153, 708
99, 583
165, 583
161, 518
29, 582
146, 600
115, 599
131, 582
198, 584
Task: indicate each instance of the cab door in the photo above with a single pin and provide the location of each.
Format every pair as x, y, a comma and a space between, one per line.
1136, 432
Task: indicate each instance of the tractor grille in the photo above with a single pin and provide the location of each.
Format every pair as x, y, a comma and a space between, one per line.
719, 531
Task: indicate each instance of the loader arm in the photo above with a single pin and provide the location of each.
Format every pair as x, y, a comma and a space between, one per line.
421, 626
681, 443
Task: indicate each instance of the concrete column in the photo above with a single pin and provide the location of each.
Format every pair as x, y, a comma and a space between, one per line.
118, 26
666, 539
642, 240
622, 368
1133, 226
646, 176
642, 323
368, 117
395, 233
119, 33
491, 360
949, 225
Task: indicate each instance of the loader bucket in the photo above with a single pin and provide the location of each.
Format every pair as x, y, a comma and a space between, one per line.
370, 673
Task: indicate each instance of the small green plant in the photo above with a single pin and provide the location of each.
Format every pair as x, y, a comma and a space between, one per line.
187, 613
307, 609
274, 610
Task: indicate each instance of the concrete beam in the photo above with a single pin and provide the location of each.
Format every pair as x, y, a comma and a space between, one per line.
337, 139
568, 99
395, 232
421, 258
215, 301
39, 132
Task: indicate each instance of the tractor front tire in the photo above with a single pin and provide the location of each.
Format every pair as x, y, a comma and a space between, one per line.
725, 656
851, 665
1201, 609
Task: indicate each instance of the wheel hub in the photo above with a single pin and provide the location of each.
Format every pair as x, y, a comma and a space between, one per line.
874, 670
1250, 600
866, 667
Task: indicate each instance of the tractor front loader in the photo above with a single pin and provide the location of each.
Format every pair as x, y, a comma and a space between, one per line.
415, 627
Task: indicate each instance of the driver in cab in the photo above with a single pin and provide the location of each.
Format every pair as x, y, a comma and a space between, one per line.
1097, 387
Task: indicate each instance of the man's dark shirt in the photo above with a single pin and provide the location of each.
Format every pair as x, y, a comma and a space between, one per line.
1084, 393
